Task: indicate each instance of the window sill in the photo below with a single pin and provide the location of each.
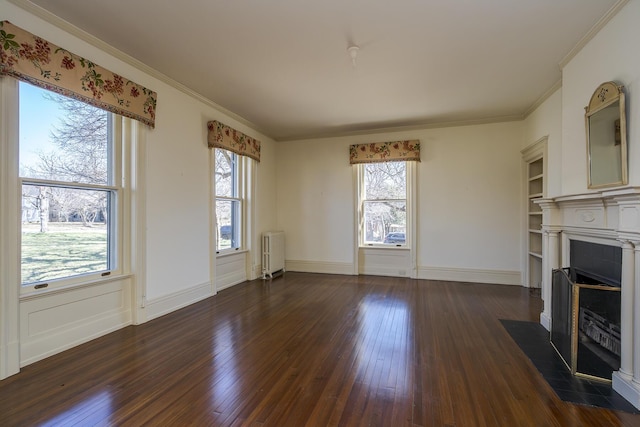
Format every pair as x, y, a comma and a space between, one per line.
393, 247
38, 293
230, 252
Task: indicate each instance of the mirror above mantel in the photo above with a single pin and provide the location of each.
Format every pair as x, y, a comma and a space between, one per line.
606, 127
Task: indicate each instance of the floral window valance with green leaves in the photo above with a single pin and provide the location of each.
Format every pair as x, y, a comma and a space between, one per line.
34, 60
385, 152
226, 137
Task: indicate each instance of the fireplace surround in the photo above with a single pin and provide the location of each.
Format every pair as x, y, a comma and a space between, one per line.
610, 218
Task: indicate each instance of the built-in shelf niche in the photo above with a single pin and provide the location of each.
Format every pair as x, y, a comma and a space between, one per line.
535, 221
534, 184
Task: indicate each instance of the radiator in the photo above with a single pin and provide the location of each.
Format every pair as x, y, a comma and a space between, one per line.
272, 253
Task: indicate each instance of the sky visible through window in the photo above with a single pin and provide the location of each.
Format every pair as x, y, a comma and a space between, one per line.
64, 229
38, 116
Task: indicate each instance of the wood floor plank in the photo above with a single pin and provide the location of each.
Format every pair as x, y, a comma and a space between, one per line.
308, 349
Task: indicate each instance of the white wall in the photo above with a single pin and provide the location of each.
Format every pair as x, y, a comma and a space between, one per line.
469, 192
610, 56
546, 120
469, 205
265, 203
177, 196
315, 201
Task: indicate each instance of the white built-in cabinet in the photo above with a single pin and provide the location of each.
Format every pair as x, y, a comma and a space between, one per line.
535, 188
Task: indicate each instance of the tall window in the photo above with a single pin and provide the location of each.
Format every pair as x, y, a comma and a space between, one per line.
384, 203
228, 199
71, 184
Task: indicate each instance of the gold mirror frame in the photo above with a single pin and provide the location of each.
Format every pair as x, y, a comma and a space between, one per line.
606, 127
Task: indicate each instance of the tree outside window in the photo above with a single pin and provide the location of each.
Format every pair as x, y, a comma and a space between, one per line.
69, 189
384, 203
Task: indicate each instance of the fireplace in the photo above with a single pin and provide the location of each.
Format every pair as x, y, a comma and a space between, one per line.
586, 323
596, 271
610, 219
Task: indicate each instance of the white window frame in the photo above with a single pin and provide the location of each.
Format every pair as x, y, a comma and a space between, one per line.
239, 181
130, 234
410, 228
118, 186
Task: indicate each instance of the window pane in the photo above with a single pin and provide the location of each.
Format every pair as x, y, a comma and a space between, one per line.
225, 173
64, 232
386, 180
385, 222
62, 139
228, 216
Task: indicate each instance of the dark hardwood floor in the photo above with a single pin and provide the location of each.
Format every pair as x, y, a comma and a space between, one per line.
308, 349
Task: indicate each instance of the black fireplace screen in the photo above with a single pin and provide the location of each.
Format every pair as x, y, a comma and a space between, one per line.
585, 326
561, 304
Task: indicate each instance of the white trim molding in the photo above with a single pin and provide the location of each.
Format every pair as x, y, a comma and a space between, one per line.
9, 230
319, 267
613, 11
496, 277
167, 303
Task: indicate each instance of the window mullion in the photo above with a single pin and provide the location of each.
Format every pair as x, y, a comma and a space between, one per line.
384, 200
230, 199
62, 184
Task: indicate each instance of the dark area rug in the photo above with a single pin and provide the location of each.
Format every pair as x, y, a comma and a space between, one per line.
533, 340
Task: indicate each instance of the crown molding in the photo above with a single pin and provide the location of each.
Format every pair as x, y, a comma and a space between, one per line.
412, 127
103, 46
557, 85
593, 31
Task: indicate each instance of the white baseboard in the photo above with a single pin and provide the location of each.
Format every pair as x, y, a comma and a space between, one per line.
498, 277
385, 271
319, 267
627, 388
166, 304
11, 363
256, 272
545, 321
229, 280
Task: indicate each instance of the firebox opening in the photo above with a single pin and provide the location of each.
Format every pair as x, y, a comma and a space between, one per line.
586, 319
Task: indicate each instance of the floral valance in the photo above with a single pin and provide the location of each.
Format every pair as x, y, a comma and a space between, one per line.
34, 60
385, 152
223, 136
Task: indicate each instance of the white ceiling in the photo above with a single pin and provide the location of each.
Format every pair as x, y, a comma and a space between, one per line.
283, 64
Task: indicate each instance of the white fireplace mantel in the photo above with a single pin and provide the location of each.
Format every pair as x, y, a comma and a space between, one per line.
610, 217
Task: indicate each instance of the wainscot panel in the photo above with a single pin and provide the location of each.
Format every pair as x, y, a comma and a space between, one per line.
56, 321
230, 270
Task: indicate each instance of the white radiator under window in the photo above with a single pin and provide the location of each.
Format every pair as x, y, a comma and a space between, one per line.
272, 253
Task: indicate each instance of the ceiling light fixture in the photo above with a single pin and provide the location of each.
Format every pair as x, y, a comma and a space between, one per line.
353, 53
